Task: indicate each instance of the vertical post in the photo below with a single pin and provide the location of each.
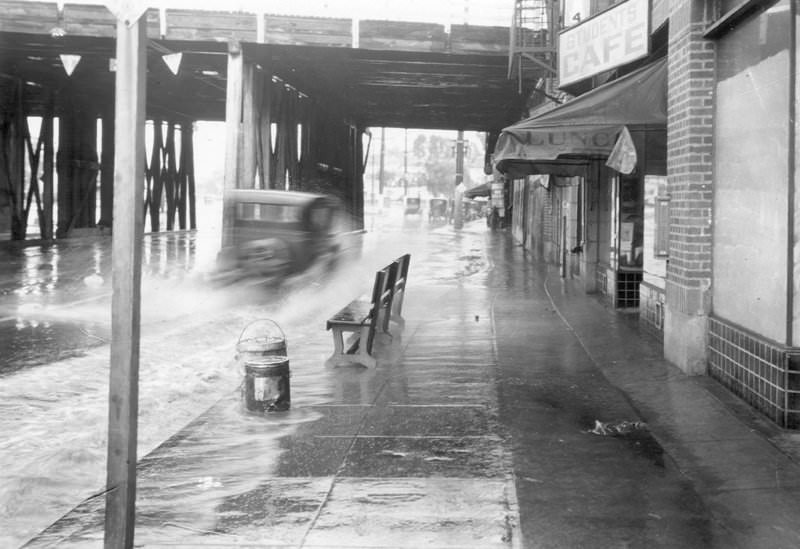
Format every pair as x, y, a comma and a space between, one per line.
405, 161
156, 177
64, 159
248, 144
123, 402
47, 175
460, 157
233, 129
188, 151
107, 171
381, 173
264, 119
458, 213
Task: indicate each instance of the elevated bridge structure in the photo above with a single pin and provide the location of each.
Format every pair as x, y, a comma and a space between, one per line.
297, 94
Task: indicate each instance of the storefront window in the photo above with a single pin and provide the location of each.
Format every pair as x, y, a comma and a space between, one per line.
751, 132
630, 223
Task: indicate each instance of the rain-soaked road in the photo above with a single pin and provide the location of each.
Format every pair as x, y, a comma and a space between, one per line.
55, 329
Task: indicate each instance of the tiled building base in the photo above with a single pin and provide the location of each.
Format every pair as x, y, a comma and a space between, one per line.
764, 374
651, 309
620, 289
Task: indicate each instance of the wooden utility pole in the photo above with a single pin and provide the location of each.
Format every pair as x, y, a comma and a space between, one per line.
458, 213
381, 173
123, 402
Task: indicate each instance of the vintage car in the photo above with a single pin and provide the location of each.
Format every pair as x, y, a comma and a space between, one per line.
413, 206
438, 210
276, 234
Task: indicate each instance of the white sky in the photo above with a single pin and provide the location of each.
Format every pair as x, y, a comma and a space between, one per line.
473, 12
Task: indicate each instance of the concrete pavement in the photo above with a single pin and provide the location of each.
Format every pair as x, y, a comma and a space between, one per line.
474, 431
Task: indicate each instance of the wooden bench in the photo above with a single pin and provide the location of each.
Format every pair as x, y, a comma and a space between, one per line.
362, 318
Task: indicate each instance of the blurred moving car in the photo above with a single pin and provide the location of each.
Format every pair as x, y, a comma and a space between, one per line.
276, 234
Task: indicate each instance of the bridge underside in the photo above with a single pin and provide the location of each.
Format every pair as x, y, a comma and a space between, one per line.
309, 89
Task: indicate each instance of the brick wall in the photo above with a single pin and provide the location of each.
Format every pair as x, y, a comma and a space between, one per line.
689, 175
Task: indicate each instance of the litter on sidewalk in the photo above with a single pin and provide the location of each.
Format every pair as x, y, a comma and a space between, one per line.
616, 428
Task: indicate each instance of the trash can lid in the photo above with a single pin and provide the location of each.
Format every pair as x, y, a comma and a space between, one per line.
267, 363
261, 343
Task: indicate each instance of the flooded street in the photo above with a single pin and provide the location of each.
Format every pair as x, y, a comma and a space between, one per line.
55, 327
510, 410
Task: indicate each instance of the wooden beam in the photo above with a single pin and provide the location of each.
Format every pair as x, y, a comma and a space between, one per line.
107, 171
47, 175
171, 177
123, 401
155, 180
188, 150
265, 127
233, 129
249, 114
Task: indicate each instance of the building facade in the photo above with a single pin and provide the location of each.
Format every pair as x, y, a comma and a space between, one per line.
700, 236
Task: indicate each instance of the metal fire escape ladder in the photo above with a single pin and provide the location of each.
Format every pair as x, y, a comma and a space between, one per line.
532, 51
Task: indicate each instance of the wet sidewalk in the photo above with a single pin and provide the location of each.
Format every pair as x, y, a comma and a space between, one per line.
473, 431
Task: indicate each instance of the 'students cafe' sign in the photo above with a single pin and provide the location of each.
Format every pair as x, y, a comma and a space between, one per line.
612, 38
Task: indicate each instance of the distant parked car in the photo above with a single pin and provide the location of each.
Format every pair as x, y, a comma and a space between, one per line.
437, 210
277, 234
413, 206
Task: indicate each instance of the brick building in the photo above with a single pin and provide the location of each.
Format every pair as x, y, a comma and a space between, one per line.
688, 217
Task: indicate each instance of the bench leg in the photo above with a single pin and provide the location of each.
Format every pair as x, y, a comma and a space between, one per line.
363, 356
397, 309
341, 357
338, 342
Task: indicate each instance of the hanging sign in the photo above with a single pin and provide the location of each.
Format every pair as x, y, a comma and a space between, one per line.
69, 62
623, 155
173, 61
614, 37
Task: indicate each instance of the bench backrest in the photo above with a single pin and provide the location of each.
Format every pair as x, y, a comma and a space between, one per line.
402, 263
379, 291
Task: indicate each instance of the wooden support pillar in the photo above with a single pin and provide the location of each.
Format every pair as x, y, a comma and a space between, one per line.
17, 166
85, 168
123, 402
358, 174
181, 186
107, 172
156, 184
233, 129
64, 156
249, 121
186, 176
169, 176
47, 176
265, 128
281, 140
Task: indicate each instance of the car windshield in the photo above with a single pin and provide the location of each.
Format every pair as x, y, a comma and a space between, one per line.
321, 218
278, 213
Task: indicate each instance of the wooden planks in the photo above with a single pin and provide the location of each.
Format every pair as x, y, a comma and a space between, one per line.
401, 35
210, 25
475, 39
32, 17
308, 31
215, 26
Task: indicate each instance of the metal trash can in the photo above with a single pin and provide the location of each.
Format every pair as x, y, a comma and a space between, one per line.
260, 338
266, 384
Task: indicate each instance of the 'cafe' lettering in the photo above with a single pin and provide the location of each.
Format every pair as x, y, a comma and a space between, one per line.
614, 37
